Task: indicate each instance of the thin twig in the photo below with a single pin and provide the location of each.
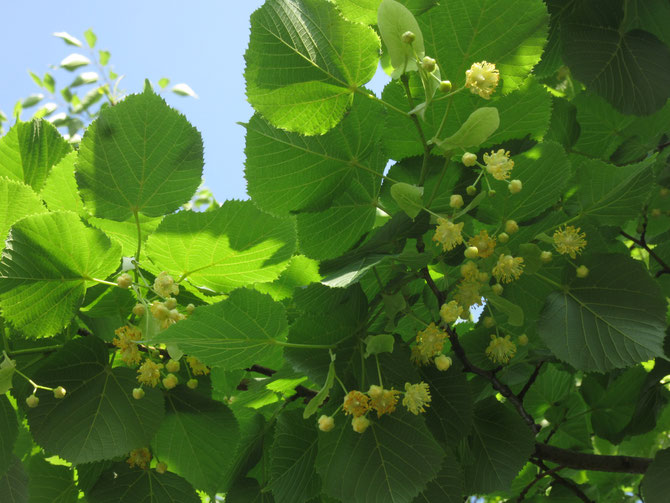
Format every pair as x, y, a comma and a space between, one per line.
531, 380
540, 476
643, 244
565, 482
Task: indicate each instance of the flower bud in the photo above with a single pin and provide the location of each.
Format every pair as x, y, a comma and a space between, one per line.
138, 393
497, 289
32, 401
59, 392
582, 271
546, 257
360, 424
469, 159
456, 201
489, 322
492, 193
192, 383
511, 227
522, 340
471, 252
408, 37
443, 362
172, 366
190, 308
326, 423
503, 237
170, 381
139, 310
471, 190
656, 212
515, 186
664, 192
445, 86
161, 468
428, 64
170, 303
124, 281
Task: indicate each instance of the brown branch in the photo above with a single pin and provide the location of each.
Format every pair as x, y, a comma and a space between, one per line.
540, 476
565, 482
642, 243
593, 462
531, 380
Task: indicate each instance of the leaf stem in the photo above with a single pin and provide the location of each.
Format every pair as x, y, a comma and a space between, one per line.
139, 244
37, 350
379, 372
101, 281
304, 346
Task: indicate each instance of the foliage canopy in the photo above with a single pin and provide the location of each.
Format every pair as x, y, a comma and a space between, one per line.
315, 343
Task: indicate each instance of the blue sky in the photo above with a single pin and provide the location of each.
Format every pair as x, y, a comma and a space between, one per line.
201, 43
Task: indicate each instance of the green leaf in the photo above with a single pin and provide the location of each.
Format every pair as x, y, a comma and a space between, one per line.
248, 490
125, 232
292, 475
14, 483
121, 169
235, 333
510, 34
409, 198
49, 483
60, 190
74, 61
327, 58
449, 416
36, 79
656, 483
550, 387
613, 402
233, 246
287, 172
617, 64
163, 82
544, 171
16, 201
91, 38
85, 78
606, 320
29, 150
7, 369
393, 20
185, 441
32, 100
513, 311
392, 461
329, 233
183, 90
44, 269
49, 83
301, 271
613, 194
121, 483
98, 418
500, 445
376, 344
365, 11
67, 38
321, 396
104, 59
447, 486
476, 129
9, 430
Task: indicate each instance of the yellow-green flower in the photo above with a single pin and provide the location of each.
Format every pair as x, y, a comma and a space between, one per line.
356, 403
429, 343
498, 164
569, 240
450, 311
482, 79
484, 244
417, 397
500, 349
448, 234
508, 268
149, 373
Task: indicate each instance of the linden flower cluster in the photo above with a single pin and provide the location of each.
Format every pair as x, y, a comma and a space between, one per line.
500, 349
166, 312
139, 458
508, 268
429, 344
568, 240
451, 311
165, 286
482, 79
197, 367
417, 397
448, 234
149, 373
126, 340
484, 244
498, 164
